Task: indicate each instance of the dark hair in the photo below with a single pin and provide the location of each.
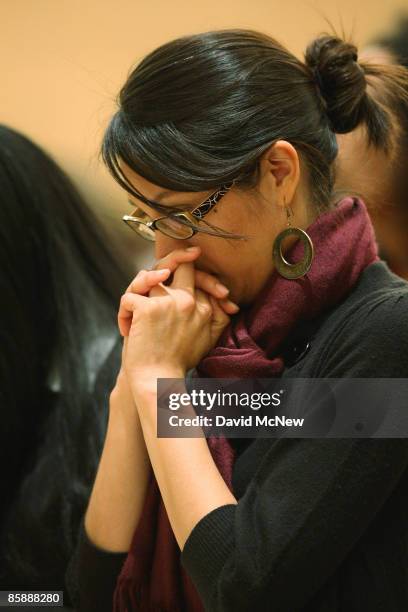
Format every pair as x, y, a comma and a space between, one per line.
198, 111
59, 288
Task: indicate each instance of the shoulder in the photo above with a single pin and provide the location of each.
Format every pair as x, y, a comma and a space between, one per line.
371, 335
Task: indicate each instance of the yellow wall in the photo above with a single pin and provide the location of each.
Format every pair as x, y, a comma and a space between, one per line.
63, 61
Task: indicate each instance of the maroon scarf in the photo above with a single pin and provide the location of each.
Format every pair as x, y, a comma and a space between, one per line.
152, 577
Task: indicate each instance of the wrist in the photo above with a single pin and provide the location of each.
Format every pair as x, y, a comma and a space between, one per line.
144, 382
121, 398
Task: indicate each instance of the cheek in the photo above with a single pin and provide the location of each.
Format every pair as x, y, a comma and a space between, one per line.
253, 269
243, 266
245, 273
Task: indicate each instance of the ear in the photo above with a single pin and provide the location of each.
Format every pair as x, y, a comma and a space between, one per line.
280, 165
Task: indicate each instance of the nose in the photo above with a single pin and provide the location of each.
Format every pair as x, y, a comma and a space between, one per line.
164, 245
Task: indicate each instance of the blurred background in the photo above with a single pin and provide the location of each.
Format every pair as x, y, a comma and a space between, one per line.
62, 63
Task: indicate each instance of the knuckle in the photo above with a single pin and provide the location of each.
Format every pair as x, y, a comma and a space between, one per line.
134, 285
206, 309
187, 303
154, 309
165, 262
124, 301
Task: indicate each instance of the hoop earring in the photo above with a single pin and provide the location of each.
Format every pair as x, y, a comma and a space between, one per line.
285, 268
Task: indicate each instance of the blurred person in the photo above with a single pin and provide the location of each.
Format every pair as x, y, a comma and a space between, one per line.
224, 143
59, 288
381, 176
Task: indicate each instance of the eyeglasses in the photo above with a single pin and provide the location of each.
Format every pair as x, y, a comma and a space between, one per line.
170, 225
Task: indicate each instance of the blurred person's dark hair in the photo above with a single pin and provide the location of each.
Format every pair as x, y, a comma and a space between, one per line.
59, 289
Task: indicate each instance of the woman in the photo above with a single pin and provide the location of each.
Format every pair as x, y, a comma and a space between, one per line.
59, 289
382, 176
231, 127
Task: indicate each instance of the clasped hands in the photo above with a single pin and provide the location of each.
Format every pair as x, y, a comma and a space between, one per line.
168, 329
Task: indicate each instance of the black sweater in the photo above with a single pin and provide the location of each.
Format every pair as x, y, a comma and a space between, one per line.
321, 525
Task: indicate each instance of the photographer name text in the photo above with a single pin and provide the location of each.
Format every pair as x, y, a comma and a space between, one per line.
222, 421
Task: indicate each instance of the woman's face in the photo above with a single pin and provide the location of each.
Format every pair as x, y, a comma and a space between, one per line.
243, 266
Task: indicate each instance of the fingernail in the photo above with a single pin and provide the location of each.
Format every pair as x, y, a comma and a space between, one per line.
222, 290
193, 248
163, 271
234, 305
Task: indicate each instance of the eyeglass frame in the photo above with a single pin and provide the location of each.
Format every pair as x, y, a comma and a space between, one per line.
199, 212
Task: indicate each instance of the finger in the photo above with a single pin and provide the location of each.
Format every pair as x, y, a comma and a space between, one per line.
141, 285
174, 258
228, 306
203, 304
146, 279
219, 316
220, 319
159, 290
124, 323
209, 283
128, 304
183, 277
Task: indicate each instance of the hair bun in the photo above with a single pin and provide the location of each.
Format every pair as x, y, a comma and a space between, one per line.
340, 79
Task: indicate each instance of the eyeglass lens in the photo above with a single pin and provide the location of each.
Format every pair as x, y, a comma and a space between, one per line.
168, 226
